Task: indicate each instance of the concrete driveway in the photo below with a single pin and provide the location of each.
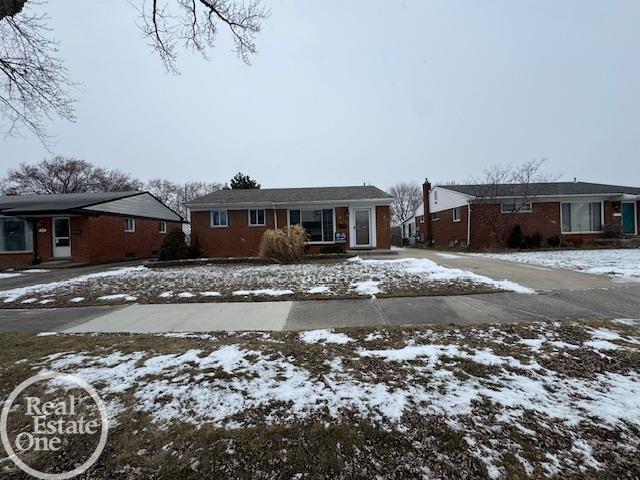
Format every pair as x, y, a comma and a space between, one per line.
532, 276
562, 295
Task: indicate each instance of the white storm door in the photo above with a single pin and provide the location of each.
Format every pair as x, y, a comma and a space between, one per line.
61, 237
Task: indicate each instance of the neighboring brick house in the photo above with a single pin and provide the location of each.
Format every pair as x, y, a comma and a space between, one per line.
230, 223
82, 227
481, 216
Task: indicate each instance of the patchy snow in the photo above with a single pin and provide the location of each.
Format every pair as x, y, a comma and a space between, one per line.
449, 256
16, 293
367, 287
47, 334
365, 277
9, 275
118, 296
482, 385
35, 270
622, 263
186, 295
264, 291
325, 336
319, 289
627, 321
77, 299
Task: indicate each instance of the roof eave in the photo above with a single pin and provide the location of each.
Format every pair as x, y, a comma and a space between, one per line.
243, 205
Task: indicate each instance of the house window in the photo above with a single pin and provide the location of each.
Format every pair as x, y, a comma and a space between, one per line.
162, 227
421, 218
457, 214
516, 207
434, 216
15, 235
581, 217
318, 223
129, 225
256, 217
219, 218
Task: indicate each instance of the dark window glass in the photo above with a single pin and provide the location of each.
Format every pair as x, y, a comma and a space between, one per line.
312, 223
294, 217
15, 235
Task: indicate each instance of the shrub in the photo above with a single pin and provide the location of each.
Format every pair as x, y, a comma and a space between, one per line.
174, 246
516, 239
533, 241
284, 245
554, 241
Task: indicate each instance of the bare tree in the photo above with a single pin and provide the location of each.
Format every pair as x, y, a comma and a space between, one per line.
34, 83
511, 185
407, 198
176, 195
66, 175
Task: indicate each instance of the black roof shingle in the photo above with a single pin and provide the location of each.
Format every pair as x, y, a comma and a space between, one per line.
57, 202
544, 189
290, 195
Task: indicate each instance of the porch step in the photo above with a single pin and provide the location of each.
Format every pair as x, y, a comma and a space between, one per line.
53, 264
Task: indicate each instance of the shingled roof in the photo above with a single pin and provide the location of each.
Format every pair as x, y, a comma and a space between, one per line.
544, 189
290, 195
58, 202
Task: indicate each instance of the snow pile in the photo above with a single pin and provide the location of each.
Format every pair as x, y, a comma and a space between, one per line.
324, 336
437, 273
264, 291
622, 263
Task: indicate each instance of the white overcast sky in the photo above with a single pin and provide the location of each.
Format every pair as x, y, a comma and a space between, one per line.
343, 92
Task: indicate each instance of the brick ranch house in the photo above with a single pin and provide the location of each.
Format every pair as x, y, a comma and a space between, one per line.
230, 223
575, 212
82, 227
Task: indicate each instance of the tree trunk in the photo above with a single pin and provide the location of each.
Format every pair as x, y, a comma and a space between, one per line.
9, 8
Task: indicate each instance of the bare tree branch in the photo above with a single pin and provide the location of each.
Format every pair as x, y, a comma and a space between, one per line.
67, 175
506, 183
407, 198
197, 27
33, 80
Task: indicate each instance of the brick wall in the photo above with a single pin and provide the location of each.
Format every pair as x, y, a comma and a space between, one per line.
106, 240
445, 232
383, 227
544, 219
237, 240
241, 240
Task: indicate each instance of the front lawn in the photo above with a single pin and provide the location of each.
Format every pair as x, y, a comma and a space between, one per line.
543, 400
240, 282
621, 263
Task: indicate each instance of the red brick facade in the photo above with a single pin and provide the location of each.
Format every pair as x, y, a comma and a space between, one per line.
239, 239
95, 239
544, 220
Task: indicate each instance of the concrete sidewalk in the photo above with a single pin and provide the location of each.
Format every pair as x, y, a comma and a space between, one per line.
619, 302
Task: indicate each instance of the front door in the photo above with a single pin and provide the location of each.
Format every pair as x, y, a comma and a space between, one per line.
362, 227
629, 218
61, 237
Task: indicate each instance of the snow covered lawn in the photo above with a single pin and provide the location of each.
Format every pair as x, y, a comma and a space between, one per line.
545, 400
351, 278
622, 263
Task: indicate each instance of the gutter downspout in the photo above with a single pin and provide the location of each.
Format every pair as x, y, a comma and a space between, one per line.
275, 215
34, 232
468, 224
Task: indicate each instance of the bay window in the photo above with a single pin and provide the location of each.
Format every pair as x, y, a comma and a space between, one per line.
581, 217
16, 235
318, 223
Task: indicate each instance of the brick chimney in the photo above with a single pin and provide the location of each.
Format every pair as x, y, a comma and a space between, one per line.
425, 228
